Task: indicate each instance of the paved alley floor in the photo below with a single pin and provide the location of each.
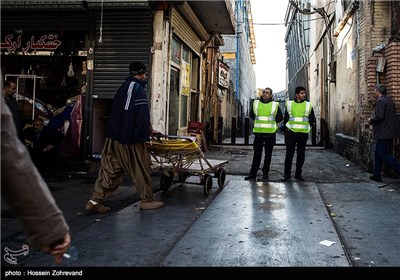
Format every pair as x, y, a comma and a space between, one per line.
264, 224
248, 224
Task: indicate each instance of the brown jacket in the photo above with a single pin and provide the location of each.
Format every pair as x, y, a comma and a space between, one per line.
25, 191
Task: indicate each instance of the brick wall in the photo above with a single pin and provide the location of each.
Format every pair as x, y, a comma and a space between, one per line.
392, 71
375, 25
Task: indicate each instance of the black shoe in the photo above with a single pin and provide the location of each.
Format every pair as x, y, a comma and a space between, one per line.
265, 175
285, 178
299, 177
250, 176
375, 178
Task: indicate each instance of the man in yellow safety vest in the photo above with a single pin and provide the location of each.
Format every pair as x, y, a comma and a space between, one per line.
266, 114
299, 119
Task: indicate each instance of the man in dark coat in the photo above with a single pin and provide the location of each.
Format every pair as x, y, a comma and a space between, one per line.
125, 150
385, 130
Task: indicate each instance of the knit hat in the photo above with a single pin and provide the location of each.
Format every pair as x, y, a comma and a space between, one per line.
137, 68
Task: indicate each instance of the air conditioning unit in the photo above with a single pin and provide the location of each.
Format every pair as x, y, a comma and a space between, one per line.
306, 7
332, 71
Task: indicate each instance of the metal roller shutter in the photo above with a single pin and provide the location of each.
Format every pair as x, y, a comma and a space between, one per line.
126, 37
44, 20
185, 32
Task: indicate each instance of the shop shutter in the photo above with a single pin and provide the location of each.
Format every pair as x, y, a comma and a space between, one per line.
126, 37
182, 29
34, 21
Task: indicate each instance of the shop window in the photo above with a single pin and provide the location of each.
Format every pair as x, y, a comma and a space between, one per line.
58, 63
50, 71
195, 92
184, 87
184, 111
176, 51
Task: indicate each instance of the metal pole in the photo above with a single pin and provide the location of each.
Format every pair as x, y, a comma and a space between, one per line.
246, 130
34, 98
233, 130
220, 127
237, 50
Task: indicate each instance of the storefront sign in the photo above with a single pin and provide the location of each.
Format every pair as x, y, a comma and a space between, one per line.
47, 42
229, 55
223, 74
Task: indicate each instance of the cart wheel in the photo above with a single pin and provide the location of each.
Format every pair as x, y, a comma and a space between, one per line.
207, 182
166, 180
183, 176
221, 175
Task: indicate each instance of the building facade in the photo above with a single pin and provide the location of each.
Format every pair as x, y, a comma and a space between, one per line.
340, 50
238, 52
70, 50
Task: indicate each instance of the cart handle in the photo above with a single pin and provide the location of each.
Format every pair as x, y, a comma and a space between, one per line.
158, 136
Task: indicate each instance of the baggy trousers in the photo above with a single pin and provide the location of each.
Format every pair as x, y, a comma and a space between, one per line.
119, 159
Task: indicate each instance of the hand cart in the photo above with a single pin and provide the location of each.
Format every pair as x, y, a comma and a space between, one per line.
181, 156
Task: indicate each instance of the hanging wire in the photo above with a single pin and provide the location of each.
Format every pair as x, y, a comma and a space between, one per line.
101, 23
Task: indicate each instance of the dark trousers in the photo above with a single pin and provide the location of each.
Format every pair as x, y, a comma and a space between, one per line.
45, 162
382, 154
260, 142
293, 140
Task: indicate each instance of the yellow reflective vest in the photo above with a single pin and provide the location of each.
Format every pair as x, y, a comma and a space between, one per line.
298, 116
265, 113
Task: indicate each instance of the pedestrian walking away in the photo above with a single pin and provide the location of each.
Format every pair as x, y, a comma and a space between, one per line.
265, 113
385, 126
298, 120
124, 151
28, 196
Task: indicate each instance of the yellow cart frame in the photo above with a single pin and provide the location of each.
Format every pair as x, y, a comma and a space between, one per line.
181, 157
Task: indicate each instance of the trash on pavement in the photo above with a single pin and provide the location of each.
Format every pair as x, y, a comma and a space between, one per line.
326, 243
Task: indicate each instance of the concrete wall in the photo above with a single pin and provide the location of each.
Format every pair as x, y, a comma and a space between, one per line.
344, 105
160, 72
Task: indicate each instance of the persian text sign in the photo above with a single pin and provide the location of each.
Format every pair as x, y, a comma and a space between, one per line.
223, 74
48, 42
